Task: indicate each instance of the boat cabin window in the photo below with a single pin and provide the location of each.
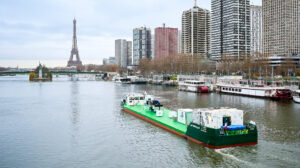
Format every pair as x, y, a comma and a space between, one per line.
194, 82
226, 120
130, 99
141, 98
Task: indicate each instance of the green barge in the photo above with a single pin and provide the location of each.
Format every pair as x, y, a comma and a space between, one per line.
211, 127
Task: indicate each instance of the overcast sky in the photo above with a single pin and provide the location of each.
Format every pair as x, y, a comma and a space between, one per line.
42, 29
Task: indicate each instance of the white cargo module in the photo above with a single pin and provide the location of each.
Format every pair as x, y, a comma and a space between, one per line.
214, 118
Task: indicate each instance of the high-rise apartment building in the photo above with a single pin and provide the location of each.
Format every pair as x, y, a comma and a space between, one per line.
256, 29
281, 27
153, 46
230, 27
129, 53
179, 42
105, 61
123, 53
166, 42
195, 34
111, 61
141, 44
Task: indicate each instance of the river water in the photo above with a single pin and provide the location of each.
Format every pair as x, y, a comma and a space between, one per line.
80, 124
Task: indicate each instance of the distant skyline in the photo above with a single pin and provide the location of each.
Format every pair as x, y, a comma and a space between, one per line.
34, 30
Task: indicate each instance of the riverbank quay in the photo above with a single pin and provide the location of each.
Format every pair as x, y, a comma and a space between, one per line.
169, 80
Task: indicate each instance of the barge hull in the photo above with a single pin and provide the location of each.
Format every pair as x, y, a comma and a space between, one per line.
212, 138
154, 123
220, 147
188, 137
256, 96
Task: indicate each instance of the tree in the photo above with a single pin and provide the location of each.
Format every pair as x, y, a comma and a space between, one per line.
31, 76
79, 68
90, 67
49, 76
144, 65
3, 69
178, 64
297, 72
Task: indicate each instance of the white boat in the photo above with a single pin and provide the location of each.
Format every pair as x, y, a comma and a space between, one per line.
137, 80
194, 86
125, 80
255, 91
296, 96
157, 79
98, 77
169, 83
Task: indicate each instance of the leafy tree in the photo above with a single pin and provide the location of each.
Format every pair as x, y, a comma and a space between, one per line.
31, 76
297, 73
49, 76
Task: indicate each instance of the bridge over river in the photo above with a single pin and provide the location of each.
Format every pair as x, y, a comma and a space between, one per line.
12, 73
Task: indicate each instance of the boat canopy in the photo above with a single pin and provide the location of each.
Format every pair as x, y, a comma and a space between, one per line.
138, 98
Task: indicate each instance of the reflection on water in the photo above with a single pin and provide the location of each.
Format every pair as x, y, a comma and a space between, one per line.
81, 124
74, 102
75, 112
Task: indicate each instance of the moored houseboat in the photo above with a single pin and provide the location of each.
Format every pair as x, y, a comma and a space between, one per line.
137, 80
124, 80
296, 96
157, 79
211, 127
255, 91
165, 80
194, 86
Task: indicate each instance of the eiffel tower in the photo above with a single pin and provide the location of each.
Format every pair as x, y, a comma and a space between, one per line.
74, 50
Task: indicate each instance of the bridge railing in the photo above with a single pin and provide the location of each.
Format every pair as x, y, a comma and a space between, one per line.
3, 73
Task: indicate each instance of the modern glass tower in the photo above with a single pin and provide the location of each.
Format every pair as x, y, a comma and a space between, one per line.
141, 44
230, 28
